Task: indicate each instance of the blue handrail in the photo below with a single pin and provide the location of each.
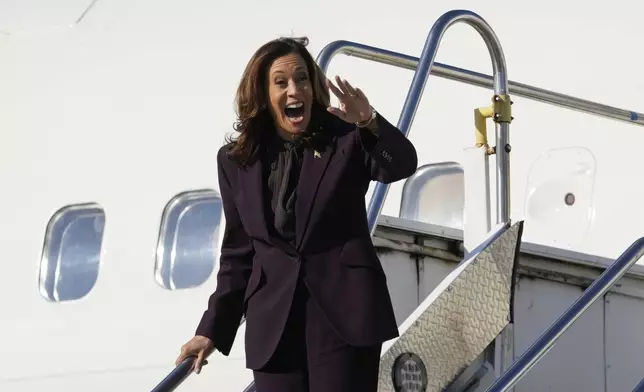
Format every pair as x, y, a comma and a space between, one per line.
422, 71
449, 72
176, 376
421, 74
639, 387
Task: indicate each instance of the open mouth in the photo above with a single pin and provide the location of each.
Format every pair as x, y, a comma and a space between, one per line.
295, 112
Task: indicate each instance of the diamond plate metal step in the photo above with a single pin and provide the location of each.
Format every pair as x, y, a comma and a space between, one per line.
457, 321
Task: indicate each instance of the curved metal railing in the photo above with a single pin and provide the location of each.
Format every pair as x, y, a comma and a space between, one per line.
415, 93
531, 356
401, 60
472, 78
423, 67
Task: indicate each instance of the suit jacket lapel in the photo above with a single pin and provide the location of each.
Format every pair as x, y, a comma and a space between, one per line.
314, 166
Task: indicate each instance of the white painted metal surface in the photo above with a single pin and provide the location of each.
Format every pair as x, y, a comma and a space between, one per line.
458, 319
624, 344
477, 196
539, 304
601, 352
124, 102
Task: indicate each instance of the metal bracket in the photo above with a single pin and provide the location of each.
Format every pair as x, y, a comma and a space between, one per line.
502, 108
480, 123
500, 111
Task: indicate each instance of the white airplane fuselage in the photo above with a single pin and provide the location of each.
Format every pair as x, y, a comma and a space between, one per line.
124, 104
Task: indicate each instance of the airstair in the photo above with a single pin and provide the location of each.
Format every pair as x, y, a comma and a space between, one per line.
444, 345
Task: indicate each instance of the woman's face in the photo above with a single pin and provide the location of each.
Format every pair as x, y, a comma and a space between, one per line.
290, 93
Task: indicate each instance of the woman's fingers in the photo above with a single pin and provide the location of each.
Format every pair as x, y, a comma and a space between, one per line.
352, 91
183, 354
334, 89
200, 361
180, 359
360, 94
351, 100
337, 112
341, 85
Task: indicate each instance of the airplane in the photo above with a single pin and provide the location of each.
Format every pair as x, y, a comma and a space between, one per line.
111, 113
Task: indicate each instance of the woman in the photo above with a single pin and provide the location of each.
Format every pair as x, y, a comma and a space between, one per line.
297, 257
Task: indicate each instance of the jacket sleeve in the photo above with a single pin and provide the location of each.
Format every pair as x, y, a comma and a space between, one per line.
389, 155
221, 320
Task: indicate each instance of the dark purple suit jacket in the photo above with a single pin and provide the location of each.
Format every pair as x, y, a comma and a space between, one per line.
333, 252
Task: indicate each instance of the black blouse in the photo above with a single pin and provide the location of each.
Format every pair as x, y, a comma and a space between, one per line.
282, 171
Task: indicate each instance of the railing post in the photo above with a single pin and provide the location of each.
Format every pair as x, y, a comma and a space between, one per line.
501, 109
415, 93
472, 78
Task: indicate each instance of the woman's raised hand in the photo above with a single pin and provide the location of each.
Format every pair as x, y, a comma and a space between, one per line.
353, 104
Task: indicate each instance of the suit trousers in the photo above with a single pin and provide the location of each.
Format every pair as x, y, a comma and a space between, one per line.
311, 357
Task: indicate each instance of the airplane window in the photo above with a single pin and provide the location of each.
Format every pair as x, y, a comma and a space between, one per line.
187, 247
71, 253
435, 194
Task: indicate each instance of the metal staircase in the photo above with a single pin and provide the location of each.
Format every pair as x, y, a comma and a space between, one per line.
471, 307
451, 327
457, 321
442, 343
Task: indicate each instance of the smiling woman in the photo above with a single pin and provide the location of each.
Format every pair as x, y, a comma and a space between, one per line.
297, 256
290, 94
281, 81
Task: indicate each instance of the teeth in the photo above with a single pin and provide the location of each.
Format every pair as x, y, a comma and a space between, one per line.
295, 105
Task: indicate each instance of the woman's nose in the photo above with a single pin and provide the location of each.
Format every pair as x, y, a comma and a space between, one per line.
293, 88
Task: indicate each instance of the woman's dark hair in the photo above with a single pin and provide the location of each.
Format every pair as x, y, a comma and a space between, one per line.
252, 97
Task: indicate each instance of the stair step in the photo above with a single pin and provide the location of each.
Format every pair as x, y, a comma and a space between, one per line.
457, 321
